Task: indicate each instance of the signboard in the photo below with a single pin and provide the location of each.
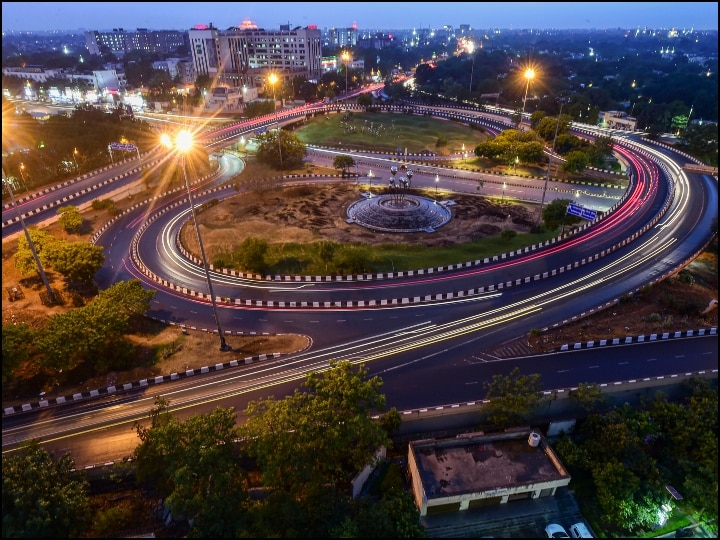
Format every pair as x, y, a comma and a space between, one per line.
581, 212
120, 146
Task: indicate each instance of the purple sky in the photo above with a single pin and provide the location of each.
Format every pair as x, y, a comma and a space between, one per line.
33, 16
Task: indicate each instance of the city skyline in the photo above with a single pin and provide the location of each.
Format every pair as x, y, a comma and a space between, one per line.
72, 16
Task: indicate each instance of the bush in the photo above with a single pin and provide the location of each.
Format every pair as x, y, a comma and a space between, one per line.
508, 234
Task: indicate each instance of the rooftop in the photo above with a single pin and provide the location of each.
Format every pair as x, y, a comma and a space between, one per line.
484, 463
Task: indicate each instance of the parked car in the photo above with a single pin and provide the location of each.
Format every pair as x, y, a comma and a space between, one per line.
553, 530
580, 530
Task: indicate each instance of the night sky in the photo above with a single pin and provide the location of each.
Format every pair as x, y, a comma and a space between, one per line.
39, 16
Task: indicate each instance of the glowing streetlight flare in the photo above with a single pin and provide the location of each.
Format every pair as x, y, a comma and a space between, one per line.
184, 140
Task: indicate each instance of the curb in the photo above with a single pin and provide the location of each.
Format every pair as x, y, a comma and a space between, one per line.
638, 339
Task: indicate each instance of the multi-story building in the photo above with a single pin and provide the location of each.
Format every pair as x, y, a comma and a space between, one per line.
246, 55
342, 37
121, 41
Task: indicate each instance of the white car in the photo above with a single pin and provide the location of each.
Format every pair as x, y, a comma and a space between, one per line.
553, 530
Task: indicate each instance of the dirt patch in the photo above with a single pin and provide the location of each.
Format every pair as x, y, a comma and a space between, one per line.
312, 213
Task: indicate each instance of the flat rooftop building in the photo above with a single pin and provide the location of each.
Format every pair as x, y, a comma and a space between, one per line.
475, 470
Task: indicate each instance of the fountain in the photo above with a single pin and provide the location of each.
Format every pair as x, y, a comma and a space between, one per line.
397, 210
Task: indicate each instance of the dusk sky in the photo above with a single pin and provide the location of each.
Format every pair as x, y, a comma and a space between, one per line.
34, 16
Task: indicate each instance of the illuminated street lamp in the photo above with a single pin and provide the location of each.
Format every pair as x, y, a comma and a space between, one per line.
503, 195
273, 79
529, 75
346, 58
471, 50
437, 181
370, 177
75, 153
183, 142
22, 176
547, 174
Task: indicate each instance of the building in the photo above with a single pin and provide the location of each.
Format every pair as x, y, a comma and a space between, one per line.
342, 37
618, 120
245, 55
477, 470
120, 41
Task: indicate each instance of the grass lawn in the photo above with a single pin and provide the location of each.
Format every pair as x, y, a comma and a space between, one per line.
389, 131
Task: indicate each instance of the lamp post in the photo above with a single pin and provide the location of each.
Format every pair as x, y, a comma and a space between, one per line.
346, 58
22, 176
529, 75
273, 79
242, 142
502, 201
75, 153
183, 143
370, 177
471, 50
41, 271
437, 181
547, 174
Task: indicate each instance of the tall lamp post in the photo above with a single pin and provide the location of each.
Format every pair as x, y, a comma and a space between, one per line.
437, 181
471, 50
552, 152
41, 270
183, 143
273, 79
529, 75
346, 58
22, 176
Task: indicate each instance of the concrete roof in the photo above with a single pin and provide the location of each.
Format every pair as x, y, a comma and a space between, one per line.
490, 463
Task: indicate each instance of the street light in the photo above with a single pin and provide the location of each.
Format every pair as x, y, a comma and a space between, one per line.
22, 176
41, 271
75, 153
242, 142
370, 177
346, 58
502, 201
529, 75
183, 143
471, 50
272, 79
437, 181
552, 152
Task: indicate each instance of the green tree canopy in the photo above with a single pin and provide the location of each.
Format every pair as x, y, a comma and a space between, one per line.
42, 497
320, 436
555, 215
193, 464
513, 398
343, 162
288, 156
78, 261
70, 218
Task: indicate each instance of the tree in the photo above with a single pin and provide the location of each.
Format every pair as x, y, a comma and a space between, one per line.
293, 150
78, 261
17, 347
193, 464
513, 398
555, 214
343, 161
43, 497
45, 245
70, 218
590, 397
576, 161
365, 100
321, 435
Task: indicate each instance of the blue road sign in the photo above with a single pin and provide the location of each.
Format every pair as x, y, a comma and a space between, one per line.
121, 146
581, 212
